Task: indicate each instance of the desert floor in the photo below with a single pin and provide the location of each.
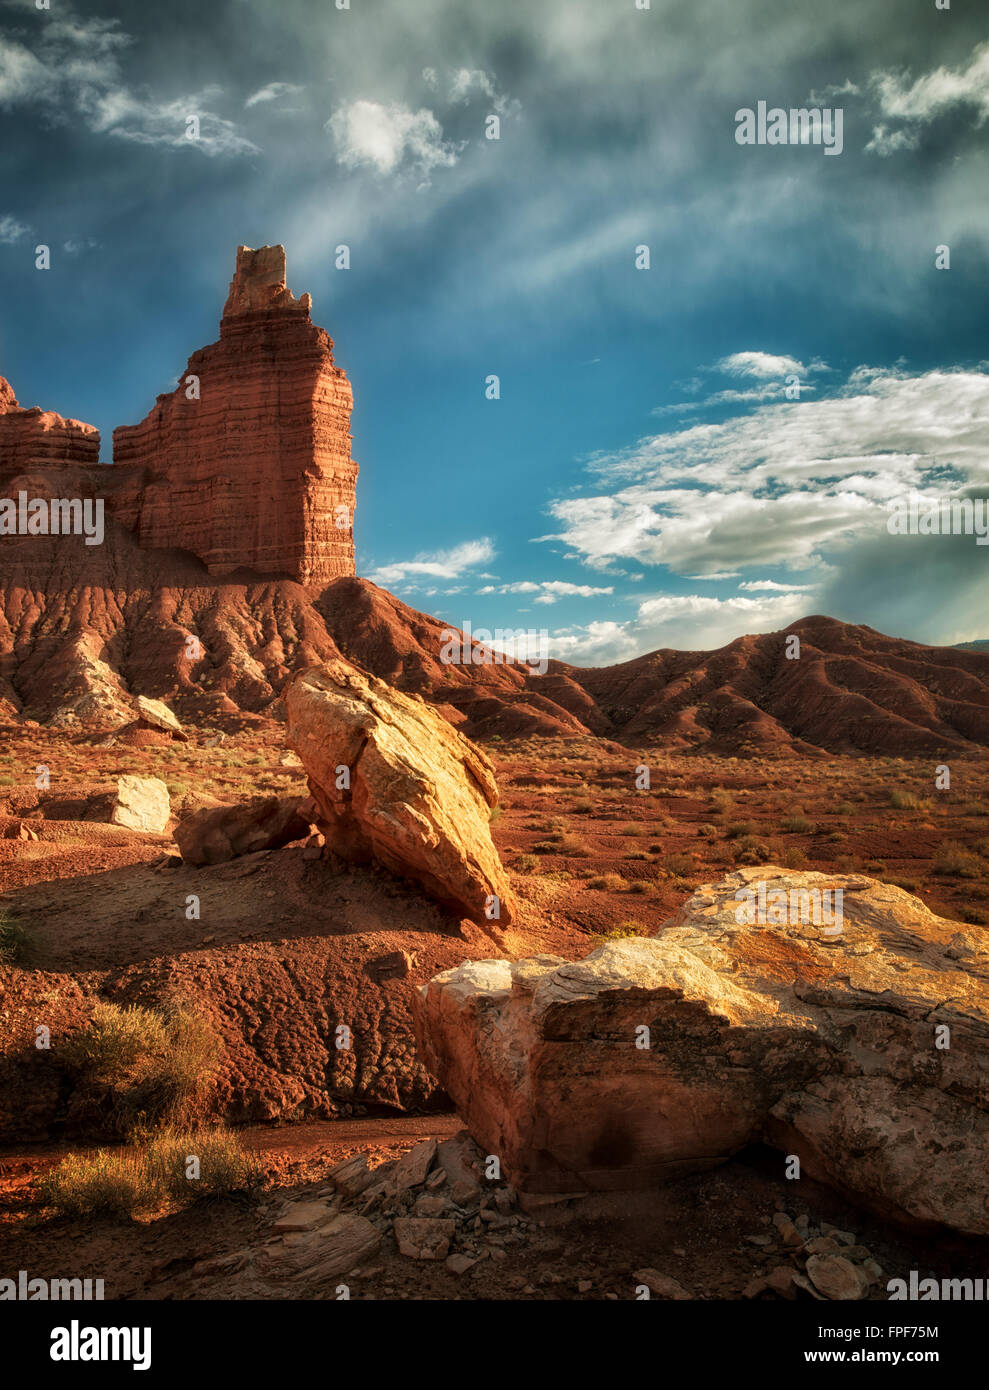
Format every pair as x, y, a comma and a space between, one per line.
589, 855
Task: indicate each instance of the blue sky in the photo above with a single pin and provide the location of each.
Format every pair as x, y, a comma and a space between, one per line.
643, 481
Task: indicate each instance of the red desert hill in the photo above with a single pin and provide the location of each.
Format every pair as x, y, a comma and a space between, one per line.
228, 563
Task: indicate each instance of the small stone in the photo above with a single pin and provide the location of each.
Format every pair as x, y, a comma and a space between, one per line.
352, 1176
304, 1216
460, 1264
662, 1285
843, 1237
424, 1238
429, 1205
780, 1280
836, 1278
822, 1245
413, 1167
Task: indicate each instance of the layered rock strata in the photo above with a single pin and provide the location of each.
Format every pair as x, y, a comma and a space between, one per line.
247, 462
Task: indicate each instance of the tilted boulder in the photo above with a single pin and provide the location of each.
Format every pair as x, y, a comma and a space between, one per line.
857, 1042
395, 783
214, 834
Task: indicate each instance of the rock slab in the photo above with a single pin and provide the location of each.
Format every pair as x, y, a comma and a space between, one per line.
653, 1057
395, 783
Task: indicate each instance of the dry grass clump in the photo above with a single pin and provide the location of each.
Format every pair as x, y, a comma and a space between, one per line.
623, 931
175, 1167
153, 1064
953, 859
14, 939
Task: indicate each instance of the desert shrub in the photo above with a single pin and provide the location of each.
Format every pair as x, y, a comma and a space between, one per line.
750, 850
569, 844
114, 1184
14, 939
494, 814
632, 830
611, 883
155, 1063
955, 860
721, 800
975, 916
845, 808
909, 885
707, 830
637, 854
225, 1166
128, 1181
623, 931
679, 863
903, 801
736, 829
797, 824
638, 885
656, 848
794, 858
526, 864
583, 807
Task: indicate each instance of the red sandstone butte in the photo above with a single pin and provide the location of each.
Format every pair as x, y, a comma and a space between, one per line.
256, 472
40, 439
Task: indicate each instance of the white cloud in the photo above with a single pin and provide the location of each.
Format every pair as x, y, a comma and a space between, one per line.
75, 71
922, 100
688, 622
11, 230
274, 91
774, 375
885, 142
443, 564
752, 585
786, 484
928, 96
761, 365
548, 590
466, 81
370, 134
22, 76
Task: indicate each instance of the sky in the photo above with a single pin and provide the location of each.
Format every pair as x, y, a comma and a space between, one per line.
678, 453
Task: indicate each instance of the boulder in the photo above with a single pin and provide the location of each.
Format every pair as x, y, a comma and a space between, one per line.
214, 834
157, 715
857, 1042
142, 804
395, 783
